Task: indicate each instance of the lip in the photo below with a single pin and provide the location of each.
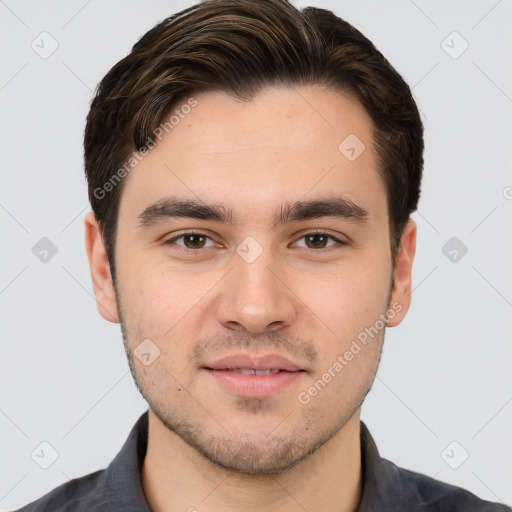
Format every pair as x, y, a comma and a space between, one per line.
254, 386
234, 361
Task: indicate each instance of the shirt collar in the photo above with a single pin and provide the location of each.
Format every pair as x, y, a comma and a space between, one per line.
382, 486
122, 480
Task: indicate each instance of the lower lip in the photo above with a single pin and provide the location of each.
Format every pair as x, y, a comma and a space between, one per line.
254, 386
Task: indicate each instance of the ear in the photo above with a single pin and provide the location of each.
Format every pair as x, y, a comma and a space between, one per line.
402, 283
100, 270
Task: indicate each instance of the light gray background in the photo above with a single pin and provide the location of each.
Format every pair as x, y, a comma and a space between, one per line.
446, 371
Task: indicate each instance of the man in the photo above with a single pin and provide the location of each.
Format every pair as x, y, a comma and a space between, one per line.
252, 170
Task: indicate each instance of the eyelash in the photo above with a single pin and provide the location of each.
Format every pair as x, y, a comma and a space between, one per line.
171, 241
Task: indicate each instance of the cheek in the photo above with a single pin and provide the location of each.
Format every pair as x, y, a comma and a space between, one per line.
150, 299
159, 300
346, 300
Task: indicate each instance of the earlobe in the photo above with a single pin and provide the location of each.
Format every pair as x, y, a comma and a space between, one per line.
402, 284
100, 270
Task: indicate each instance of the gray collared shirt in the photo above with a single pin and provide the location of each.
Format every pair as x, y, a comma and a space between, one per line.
386, 487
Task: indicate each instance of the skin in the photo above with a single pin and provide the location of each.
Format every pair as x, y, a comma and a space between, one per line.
209, 448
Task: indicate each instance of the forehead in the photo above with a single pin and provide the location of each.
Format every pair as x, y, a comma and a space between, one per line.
287, 143
305, 119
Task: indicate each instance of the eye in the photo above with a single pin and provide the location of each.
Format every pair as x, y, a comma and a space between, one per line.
318, 240
191, 241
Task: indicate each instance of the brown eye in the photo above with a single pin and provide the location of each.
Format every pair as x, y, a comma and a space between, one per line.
316, 241
194, 241
190, 241
320, 241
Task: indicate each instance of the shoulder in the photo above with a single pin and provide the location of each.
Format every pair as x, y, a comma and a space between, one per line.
118, 487
74, 496
425, 494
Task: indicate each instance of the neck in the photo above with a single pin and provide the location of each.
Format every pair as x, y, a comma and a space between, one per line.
176, 477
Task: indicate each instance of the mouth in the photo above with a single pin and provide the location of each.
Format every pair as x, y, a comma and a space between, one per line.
247, 363
250, 371
254, 377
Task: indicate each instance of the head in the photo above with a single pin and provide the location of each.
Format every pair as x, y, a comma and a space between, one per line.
252, 169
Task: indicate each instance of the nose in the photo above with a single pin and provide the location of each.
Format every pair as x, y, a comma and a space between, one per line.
254, 297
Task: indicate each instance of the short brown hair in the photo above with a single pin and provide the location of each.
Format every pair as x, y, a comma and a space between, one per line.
239, 47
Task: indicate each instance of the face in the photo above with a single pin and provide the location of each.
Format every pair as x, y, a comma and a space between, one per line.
283, 263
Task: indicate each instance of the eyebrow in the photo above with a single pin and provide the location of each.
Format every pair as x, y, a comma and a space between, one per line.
177, 207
